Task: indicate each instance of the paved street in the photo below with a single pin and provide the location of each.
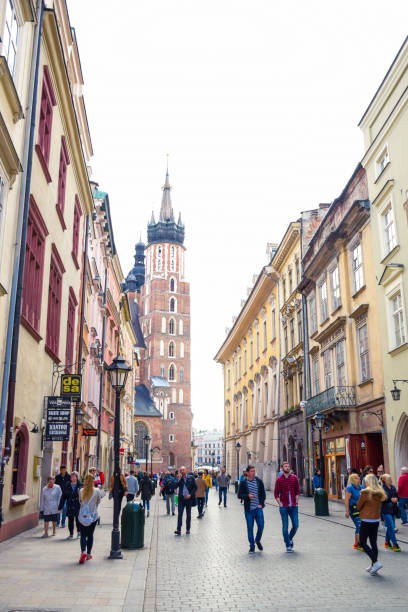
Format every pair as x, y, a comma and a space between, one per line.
208, 570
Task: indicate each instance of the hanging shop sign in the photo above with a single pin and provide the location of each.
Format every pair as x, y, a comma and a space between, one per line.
58, 419
71, 386
89, 431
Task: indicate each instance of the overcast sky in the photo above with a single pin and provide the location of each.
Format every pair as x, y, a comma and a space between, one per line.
257, 103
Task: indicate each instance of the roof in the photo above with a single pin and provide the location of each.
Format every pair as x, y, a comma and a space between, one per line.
159, 381
144, 405
134, 315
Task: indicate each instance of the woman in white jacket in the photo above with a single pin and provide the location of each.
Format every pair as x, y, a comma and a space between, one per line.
50, 498
88, 516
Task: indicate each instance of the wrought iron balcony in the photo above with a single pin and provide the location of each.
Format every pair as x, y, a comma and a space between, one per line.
334, 397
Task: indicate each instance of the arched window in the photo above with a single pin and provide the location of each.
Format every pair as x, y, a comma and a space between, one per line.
181, 373
161, 348
172, 304
172, 373
181, 327
162, 370
163, 327
181, 396
172, 327
141, 431
182, 350
172, 462
20, 459
172, 259
174, 396
172, 284
172, 349
159, 263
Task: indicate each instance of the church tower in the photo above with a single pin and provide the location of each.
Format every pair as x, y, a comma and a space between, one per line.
164, 312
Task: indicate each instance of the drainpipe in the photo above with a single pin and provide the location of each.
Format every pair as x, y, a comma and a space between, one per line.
279, 379
306, 371
102, 378
13, 325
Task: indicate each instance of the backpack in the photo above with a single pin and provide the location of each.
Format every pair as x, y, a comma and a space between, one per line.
170, 486
86, 516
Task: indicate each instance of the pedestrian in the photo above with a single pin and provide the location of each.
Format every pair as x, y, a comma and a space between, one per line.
71, 499
50, 499
169, 488
241, 478
367, 470
132, 486
90, 497
223, 482
146, 491
287, 493
252, 491
403, 494
208, 480
122, 487
389, 510
214, 479
351, 498
200, 494
62, 480
99, 477
317, 480
380, 473
187, 487
369, 505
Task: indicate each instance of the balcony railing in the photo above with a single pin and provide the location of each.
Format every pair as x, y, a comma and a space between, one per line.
334, 397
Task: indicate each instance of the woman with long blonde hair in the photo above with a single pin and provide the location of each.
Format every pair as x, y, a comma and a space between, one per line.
369, 505
352, 496
88, 516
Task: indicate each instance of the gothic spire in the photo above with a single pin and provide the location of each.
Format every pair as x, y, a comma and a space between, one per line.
166, 210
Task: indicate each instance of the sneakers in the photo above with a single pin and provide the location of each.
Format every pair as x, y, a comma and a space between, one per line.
289, 549
188, 532
387, 545
88, 557
177, 532
251, 550
70, 537
377, 566
173, 513
259, 545
368, 569
78, 535
357, 547
82, 558
396, 549
404, 523
291, 544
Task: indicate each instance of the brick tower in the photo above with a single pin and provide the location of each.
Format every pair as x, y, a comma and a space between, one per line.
164, 312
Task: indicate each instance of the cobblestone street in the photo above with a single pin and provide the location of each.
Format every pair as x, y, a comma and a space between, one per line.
208, 570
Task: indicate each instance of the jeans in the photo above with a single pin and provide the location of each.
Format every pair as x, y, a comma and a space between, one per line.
170, 497
285, 513
357, 521
369, 530
206, 495
71, 519
64, 515
184, 503
222, 491
87, 533
256, 515
401, 504
389, 522
200, 505
146, 504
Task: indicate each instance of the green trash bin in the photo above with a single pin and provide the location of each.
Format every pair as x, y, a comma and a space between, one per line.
133, 522
236, 484
321, 502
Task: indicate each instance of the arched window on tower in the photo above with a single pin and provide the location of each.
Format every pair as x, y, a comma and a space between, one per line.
181, 327
173, 284
159, 260
172, 327
172, 258
181, 373
163, 327
173, 305
172, 349
182, 350
172, 373
141, 431
181, 396
161, 348
162, 370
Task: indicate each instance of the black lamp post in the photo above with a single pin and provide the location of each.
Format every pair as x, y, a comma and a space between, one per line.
118, 371
151, 462
319, 422
147, 439
395, 392
238, 448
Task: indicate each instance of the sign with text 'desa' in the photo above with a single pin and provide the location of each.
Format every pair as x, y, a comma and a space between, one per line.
71, 386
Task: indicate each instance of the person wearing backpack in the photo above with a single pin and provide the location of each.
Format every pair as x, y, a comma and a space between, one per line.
71, 499
169, 488
352, 496
389, 510
88, 516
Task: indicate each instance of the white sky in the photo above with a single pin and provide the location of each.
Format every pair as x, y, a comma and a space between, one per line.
257, 103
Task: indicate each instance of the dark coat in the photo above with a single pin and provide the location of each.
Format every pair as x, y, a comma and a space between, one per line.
72, 498
63, 481
389, 507
243, 493
146, 488
169, 485
191, 487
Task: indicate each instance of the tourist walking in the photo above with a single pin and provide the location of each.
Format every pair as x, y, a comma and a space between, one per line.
73, 504
62, 480
403, 494
99, 477
252, 491
146, 491
208, 479
317, 480
351, 498
187, 487
169, 488
50, 499
223, 482
132, 486
90, 497
122, 487
389, 509
200, 494
287, 493
369, 505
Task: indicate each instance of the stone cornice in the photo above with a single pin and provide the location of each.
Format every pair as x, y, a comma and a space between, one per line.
289, 241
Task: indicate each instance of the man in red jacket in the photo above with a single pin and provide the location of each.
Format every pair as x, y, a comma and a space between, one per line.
287, 493
403, 494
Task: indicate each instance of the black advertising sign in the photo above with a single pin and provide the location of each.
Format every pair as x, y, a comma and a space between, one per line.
57, 432
89, 431
71, 386
58, 419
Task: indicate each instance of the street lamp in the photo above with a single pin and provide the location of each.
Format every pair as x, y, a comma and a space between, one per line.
118, 372
319, 423
147, 439
238, 448
395, 392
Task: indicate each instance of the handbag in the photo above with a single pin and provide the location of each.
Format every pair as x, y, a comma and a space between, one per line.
397, 511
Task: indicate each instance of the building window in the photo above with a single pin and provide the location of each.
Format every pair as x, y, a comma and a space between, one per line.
251, 353
20, 461
228, 378
172, 304
297, 272
273, 324
327, 369
182, 350
257, 343
239, 367
382, 161
390, 240
245, 360
162, 370
313, 314
172, 285
180, 327
300, 329
316, 376
171, 416
265, 336
324, 312
182, 373
161, 348
364, 355
357, 268
75, 230
172, 261
285, 335
172, 327
290, 282
10, 37
54, 302
340, 365
69, 346
284, 289
45, 122
174, 395
140, 432
62, 180
34, 267
398, 323
335, 288
265, 397
172, 373
163, 325
292, 333
181, 396
171, 437
159, 262
172, 349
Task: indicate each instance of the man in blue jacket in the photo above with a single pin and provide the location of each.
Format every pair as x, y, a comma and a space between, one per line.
252, 491
186, 498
